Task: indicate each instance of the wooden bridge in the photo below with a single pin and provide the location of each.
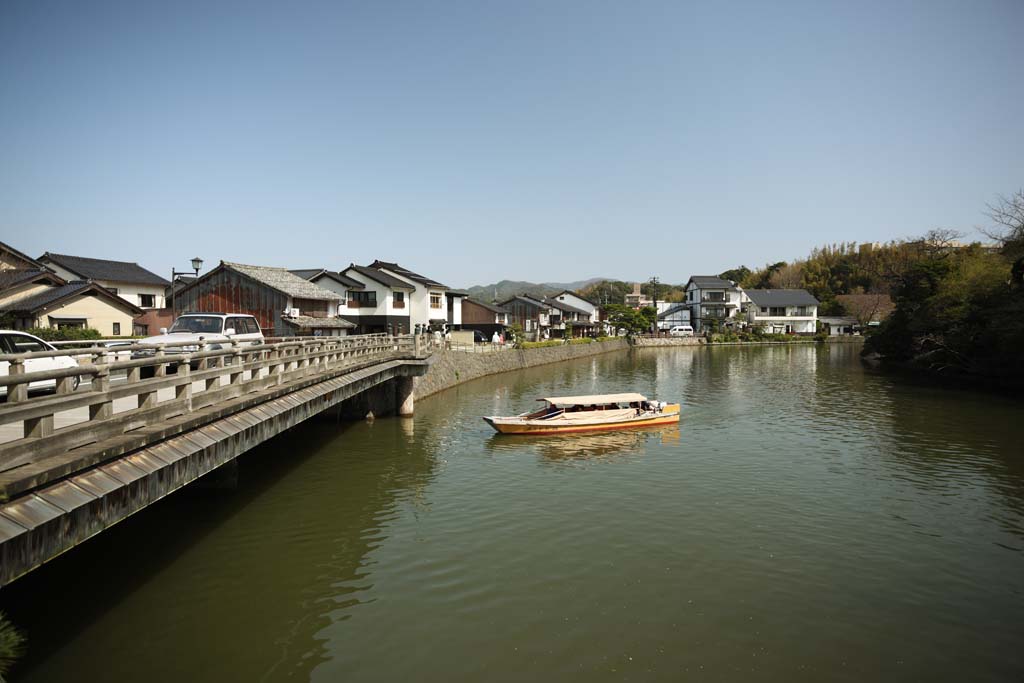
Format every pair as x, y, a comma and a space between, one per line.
107, 443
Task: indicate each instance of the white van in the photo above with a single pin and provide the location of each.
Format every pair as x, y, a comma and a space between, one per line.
681, 331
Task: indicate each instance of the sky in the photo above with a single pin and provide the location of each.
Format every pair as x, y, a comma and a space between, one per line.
478, 141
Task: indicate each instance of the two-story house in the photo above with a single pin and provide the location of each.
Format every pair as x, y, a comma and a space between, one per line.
532, 315
32, 295
565, 315
480, 315
378, 301
783, 311
427, 306
712, 300
130, 281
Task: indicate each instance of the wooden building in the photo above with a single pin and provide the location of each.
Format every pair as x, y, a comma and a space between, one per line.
479, 315
283, 303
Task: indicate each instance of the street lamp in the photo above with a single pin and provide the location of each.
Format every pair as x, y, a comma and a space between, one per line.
654, 281
197, 263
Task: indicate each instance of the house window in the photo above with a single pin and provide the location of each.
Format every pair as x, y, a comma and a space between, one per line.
435, 300
147, 300
117, 329
398, 299
362, 299
764, 310
778, 311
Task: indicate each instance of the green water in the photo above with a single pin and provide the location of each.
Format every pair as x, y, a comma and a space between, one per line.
808, 520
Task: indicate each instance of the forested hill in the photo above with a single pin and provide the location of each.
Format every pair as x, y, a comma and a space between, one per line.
500, 291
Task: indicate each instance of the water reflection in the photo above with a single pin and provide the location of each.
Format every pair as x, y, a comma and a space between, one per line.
583, 447
249, 580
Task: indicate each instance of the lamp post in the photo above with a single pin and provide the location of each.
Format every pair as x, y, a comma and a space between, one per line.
654, 281
197, 263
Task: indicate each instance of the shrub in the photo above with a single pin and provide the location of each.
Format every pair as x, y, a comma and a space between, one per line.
540, 344
12, 645
65, 334
604, 339
581, 340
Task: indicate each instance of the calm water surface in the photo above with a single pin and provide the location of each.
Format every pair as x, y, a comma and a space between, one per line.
808, 520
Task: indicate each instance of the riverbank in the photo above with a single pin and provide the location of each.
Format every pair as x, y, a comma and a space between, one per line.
450, 368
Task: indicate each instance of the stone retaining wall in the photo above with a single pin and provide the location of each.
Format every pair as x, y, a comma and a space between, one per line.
449, 368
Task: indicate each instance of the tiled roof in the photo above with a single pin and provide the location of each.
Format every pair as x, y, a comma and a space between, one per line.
309, 322
405, 272
711, 281
18, 276
283, 281
527, 300
570, 292
381, 277
312, 274
484, 304
562, 306
24, 257
56, 294
102, 269
781, 297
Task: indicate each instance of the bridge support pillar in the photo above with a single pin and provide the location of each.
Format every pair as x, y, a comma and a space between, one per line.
404, 395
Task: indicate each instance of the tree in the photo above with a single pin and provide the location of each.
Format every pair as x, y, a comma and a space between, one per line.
736, 274
866, 307
623, 317
788, 276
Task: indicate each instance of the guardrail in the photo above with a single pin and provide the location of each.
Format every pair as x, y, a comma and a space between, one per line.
234, 369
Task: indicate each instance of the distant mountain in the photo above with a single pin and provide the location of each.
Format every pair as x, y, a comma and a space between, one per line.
509, 288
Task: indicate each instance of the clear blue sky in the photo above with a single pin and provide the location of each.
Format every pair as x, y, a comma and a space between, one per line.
475, 141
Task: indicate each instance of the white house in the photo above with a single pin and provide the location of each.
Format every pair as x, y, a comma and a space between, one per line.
712, 298
378, 302
427, 305
130, 281
784, 311
674, 315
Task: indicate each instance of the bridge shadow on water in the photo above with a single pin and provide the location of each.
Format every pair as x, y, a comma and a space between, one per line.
249, 575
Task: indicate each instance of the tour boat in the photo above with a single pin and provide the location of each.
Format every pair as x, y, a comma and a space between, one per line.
566, 414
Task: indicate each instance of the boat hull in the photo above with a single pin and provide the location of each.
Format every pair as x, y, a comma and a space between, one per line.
670, 415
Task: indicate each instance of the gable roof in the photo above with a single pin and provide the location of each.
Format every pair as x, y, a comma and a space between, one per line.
567, 308
281, 280
29, 261
381, 277
572, 293
405, 272
675, 308
102, 269
314, 274
484, 304
710, 281
781, 297
55, 295
527, 300
19, 276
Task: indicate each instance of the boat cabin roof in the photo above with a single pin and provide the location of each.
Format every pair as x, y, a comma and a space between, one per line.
597, 399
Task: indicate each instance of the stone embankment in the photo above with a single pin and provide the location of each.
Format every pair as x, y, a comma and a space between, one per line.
455, 367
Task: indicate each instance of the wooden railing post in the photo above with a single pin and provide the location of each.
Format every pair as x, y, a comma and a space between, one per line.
183, 391
17, 392
160, 369
101, 383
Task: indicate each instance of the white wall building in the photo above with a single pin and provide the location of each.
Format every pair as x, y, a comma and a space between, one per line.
378, 301
783, 311
712, 298
130, 281
427, 306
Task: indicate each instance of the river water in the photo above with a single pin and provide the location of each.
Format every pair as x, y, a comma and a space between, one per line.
808, 520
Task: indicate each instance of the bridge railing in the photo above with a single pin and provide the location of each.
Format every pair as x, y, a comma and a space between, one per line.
107, 395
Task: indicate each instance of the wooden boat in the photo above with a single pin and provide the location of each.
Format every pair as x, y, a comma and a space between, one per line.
567, 414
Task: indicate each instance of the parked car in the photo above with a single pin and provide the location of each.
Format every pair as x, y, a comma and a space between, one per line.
12, 341
681, 331
191, 330
479, 337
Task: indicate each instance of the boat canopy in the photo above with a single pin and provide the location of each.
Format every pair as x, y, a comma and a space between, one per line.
597, 399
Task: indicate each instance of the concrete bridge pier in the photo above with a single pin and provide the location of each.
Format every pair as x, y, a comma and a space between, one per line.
404, 395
